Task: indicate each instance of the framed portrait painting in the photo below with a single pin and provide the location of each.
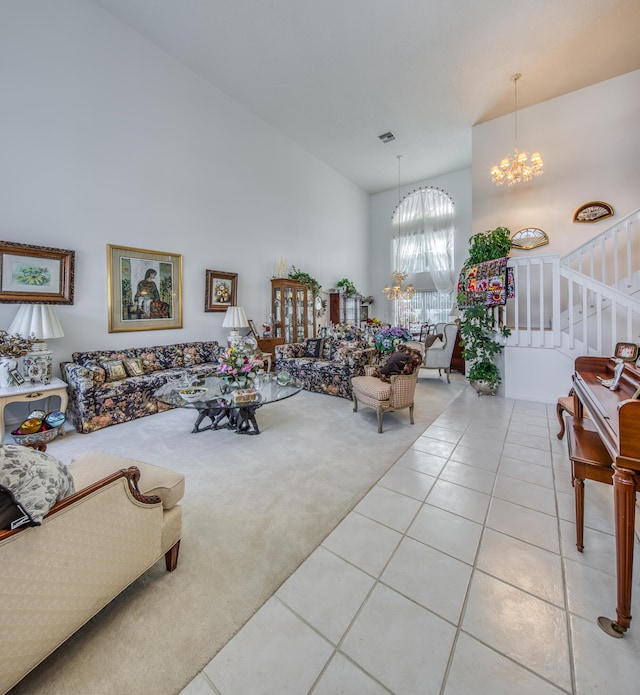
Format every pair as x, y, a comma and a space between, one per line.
35, 274
145, 289
220, 290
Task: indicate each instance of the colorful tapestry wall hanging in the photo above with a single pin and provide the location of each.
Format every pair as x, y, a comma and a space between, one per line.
490, 283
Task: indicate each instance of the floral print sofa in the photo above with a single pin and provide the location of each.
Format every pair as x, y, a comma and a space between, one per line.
344, 353
102, 393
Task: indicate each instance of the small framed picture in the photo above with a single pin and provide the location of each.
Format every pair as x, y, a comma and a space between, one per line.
626, 351
252, 326
18, 379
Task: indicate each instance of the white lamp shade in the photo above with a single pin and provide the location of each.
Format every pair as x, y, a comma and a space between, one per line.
235, 318
39, 320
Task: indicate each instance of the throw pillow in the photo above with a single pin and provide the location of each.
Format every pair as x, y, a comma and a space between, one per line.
114, 370
395, 364
35, 480
431, 339
437, 343
133, 366
313, 347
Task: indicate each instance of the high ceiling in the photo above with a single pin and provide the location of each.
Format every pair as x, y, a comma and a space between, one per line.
333, 75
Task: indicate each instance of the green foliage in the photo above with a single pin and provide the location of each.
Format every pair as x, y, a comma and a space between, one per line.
305, 279
479, 345
349, 287
486, 246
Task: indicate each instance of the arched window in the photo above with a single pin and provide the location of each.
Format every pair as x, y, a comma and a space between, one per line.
423, 232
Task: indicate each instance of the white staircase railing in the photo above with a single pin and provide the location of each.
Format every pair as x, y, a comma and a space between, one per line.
582, 300
611, 257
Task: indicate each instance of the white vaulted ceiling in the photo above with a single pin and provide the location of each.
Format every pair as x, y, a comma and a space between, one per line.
332, 75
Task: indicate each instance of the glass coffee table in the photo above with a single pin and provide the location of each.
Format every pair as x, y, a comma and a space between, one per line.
219, 405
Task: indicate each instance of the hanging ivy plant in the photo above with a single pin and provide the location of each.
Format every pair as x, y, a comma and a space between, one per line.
304, 279
347, 287
489, 245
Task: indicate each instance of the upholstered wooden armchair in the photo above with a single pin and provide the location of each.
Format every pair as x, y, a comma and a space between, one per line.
396, 394
437, 354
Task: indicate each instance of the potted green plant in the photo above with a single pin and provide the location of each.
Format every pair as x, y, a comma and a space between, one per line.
305, 279
347, 287
479, 332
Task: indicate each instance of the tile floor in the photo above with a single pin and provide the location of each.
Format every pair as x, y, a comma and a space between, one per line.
457, 574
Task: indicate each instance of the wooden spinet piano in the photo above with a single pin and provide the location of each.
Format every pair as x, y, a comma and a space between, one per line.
615, 416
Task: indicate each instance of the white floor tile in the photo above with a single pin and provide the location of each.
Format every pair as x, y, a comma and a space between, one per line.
431, 578
469, 476
527, 453
590, 592
444, 434
423, 462
604, 664
407, 482
434, 446
450, 533
389, 508
342, 677
363, 542
402, 645
198, 686
532, 473
484, 442
275, 652
528, 525
459, 500
529, 439
520, 626
326, 592
524, 565
482, 459
479, 670
525, 494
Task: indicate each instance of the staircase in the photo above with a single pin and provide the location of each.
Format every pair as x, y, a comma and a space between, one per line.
579, 304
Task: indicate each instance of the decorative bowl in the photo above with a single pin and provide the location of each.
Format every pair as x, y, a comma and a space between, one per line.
283, 378
42, 436
192, 393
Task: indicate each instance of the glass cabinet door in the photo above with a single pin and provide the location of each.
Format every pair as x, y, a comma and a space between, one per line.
278, 328
289, 316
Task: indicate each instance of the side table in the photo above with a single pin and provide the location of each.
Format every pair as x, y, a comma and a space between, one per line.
32, 392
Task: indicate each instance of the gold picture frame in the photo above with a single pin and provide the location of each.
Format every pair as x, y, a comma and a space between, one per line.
144, 289
220, 290
626, 351
35, 274
593, 211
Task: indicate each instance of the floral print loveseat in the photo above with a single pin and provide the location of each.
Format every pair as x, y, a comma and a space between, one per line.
343, 353
113, 386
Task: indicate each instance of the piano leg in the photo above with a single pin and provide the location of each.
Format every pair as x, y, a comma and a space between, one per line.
624, 497
578, 486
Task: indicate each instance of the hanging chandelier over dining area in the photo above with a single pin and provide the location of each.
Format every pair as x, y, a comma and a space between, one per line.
398, 290
519, 167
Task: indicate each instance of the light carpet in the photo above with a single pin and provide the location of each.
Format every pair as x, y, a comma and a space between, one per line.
254, 508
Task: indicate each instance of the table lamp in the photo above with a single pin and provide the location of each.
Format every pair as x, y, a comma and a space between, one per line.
41, 321
235, 318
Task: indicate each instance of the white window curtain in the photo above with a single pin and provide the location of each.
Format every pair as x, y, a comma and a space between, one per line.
422, 232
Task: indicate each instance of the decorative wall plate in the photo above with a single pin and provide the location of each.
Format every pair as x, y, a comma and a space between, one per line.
529, 238
593, 212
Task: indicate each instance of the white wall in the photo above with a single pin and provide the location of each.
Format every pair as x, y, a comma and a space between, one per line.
106, 139
382, 205
590, 142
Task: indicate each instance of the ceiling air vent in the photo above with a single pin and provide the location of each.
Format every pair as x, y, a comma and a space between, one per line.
387, 137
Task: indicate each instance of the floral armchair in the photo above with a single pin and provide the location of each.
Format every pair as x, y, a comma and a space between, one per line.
327, 363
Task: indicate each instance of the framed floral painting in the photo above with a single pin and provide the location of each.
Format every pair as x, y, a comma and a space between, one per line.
35, 274
220, 290
145, 289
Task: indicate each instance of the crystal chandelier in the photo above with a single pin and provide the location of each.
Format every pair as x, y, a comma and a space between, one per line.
397, 291
519, 168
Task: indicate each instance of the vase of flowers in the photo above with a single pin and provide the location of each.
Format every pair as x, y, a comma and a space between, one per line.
388, 339
237, 364
11, 347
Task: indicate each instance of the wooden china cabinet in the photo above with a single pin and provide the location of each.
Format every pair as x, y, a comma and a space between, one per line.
344, 309
293, 309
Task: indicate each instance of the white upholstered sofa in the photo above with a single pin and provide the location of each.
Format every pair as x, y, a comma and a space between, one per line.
124, 516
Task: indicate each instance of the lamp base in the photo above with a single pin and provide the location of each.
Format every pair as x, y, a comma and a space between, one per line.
234, 338
37, 365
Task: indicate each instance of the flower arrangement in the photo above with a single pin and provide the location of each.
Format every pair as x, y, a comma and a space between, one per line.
345, 331
388, 339
373, 322
235, 362
222, 292
14, 345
